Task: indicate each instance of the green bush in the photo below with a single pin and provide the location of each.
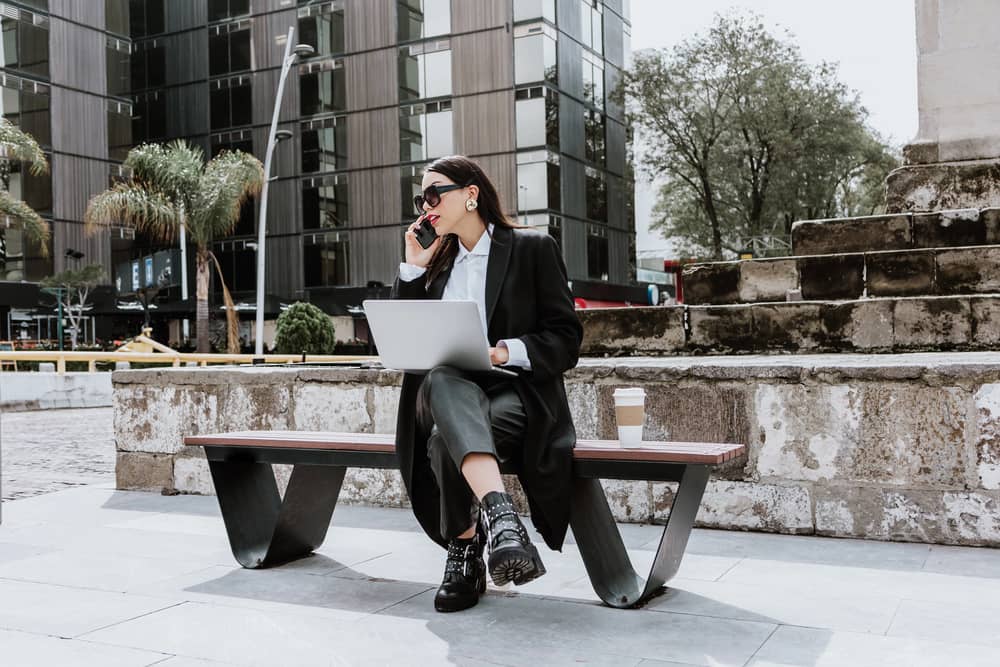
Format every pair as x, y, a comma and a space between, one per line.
304, 329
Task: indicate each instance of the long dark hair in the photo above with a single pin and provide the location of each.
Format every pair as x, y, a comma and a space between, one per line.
465, 172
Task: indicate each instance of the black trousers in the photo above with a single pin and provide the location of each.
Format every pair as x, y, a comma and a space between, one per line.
466, 413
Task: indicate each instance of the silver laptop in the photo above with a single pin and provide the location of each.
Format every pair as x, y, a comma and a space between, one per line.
417, 335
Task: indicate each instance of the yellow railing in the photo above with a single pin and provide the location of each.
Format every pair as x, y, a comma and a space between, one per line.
172, 358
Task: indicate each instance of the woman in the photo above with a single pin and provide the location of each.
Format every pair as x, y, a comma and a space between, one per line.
454, 427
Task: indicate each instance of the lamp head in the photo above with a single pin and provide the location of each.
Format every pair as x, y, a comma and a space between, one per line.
281, 135
303, 50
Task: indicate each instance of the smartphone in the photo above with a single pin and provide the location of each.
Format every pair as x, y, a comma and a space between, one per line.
426, 236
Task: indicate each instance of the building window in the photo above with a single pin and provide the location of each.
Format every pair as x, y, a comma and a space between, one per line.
324, 202
537, 117
322, 27
240, 140
22, 258
535, 54
324, 144
538, 181
594, 141
597, 252
592, 24
597, 195
425, 131
26, 43
119, 130
119, 69
526, 10
149, 64
146, 17
410, 179
326, 259
229, 48
322, 87
229, 102
149, 117
116, 16
219, 10
555, 229
238, 264
419, 19
35, 190
25, 103
425, 70
593, 80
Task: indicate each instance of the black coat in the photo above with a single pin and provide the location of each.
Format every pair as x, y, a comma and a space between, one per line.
527, 297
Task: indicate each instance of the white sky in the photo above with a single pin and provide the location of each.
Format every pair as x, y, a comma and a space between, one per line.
874, 42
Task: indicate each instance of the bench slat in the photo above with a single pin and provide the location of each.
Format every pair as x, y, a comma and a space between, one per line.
586, 450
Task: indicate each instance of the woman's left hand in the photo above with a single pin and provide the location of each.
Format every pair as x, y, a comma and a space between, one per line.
499, 356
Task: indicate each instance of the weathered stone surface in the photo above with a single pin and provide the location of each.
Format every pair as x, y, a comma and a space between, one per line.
840, 235
987, 442
582, 398
767, 280
985, 323
905, 273
331, 407
253, 407
788, 327
941, 322
969, 270
991, 220
141, 471
858, 325
657, 329
943, 186
711, 283
748, 506
973, 518
385, 403
947, 229
191, 474
379, 487
156, 418
630, 501
832, 276
720, 328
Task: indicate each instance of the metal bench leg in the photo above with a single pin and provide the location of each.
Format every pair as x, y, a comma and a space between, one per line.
608, 566
263, 528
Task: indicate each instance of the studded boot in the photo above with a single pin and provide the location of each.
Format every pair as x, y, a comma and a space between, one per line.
512, 555
464, 575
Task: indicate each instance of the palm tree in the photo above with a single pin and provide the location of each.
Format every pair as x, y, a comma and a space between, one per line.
171, 187
18, 146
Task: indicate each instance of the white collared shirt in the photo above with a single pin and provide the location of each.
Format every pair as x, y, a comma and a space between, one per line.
467, 282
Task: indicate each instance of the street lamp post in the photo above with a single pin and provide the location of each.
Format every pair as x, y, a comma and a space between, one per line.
300, 50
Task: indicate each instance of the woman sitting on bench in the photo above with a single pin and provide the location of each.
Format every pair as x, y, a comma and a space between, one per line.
455, 427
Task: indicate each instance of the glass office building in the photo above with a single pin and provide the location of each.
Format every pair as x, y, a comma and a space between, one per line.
521, 85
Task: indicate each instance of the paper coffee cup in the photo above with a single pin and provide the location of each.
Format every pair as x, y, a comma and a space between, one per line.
630, 408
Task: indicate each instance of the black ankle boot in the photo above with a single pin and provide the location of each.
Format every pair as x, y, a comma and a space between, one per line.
512, 555
464, 575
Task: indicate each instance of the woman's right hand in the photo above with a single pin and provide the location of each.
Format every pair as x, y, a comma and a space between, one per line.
415, 254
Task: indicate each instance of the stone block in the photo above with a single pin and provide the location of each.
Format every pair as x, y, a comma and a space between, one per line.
385, 403
987, 438
374, 487
969, 270
714, 283
582, 398
191, 475
939, 187
788, 327
754, 506
985, 322
932, 323
767, 280
630, 501
721, 328
330, 406
858, 325
142, 471
832, 276
628, 331
256, 407
662, 494
907, 273
973, 518
991, 220
875, 232
156, 419
946, 229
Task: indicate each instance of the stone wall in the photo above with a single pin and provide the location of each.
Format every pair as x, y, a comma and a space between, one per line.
897, 447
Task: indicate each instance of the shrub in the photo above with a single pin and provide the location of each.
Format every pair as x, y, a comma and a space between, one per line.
304, 329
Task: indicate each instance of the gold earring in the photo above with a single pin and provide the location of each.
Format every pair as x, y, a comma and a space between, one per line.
471, 204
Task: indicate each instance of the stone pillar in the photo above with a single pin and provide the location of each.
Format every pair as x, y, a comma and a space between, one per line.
954, 161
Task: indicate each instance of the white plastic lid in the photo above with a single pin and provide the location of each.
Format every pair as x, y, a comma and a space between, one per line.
629, 392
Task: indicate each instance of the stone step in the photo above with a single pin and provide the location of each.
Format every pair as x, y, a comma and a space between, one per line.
940, 229
874, 325
923, 272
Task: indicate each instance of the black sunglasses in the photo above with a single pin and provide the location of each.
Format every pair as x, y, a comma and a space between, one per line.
432, 195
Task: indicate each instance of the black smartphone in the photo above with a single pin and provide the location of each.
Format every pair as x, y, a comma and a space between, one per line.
426, 236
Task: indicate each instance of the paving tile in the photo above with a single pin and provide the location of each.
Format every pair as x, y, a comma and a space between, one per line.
184, 524
13, 551
103, 571
964, 623
180, 661
966, 561
67, 612
30, 650
822, 648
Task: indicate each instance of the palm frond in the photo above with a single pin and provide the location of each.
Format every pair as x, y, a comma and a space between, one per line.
232, 320
131, 205
36, 229
230, 179
172, 169
16, 144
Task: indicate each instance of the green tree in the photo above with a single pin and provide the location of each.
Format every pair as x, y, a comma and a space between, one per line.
74, 289
172, 187
746, 137
18, 146
304, 329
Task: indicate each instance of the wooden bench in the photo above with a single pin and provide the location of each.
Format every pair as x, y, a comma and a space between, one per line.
265, 529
